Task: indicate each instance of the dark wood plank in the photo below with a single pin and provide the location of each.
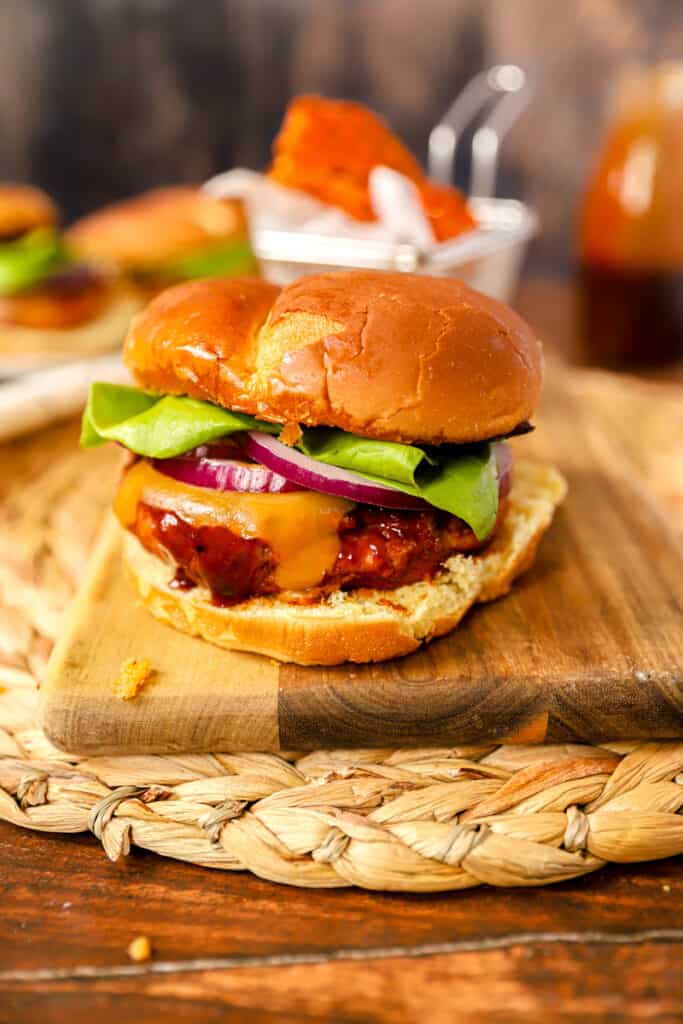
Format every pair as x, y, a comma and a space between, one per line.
64, 904
537, 982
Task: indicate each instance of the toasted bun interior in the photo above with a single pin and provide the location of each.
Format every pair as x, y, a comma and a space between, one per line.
400, 357
361, 626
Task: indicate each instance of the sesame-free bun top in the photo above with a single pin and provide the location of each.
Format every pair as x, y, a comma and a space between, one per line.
392, 356
24, 208
157, 227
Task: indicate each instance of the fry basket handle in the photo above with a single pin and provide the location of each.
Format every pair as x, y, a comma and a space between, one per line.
509, 86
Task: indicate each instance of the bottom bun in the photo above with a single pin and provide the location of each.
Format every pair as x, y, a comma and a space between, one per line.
367, 625
25, 348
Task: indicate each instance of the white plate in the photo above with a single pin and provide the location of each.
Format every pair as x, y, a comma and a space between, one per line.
36, 399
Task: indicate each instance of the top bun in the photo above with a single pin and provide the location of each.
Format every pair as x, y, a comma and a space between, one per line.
23, 208
157, 227
398, 357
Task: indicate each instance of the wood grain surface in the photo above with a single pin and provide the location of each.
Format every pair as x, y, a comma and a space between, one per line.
535, 983
588, 646
200, 697
234, 949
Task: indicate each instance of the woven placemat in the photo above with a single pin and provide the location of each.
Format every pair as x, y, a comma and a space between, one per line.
410, 820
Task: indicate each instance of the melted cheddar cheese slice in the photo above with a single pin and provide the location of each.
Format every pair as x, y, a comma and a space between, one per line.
301, 527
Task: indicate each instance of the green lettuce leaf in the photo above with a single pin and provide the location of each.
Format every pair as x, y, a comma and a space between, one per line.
30, 259
157, 426
466, 486
385, 459
234, 258
462, 481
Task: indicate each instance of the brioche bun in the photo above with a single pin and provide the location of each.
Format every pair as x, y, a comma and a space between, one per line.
392, 356
360, 626
156, 228
24, 208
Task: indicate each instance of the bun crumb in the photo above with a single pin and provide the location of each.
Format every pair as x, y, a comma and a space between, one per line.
133, 675
139, 949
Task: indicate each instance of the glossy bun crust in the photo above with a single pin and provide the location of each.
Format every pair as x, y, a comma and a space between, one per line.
399, 357
157, 227
24, 208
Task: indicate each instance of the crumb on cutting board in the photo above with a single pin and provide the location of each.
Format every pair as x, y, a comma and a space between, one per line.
140, 949
133, 675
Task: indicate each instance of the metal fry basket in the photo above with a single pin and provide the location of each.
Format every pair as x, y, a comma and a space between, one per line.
490, 258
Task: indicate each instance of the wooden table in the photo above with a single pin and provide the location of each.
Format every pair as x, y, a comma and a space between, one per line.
596, 949
229, 947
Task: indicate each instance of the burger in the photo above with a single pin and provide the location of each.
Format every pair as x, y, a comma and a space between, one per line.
52, 305
165, 236
321, 473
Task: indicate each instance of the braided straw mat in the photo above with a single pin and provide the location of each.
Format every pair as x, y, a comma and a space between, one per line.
410, 820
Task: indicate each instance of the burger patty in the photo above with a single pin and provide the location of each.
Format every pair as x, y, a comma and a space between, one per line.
71, 297
378, 549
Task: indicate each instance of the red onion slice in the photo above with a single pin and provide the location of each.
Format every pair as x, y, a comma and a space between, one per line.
317, 476
222, 474
504, 460
279, 469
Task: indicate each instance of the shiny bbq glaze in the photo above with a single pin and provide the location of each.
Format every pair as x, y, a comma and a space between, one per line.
232, 567
378, 548
384, 549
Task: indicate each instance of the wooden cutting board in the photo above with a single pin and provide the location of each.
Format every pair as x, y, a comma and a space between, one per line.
588, 646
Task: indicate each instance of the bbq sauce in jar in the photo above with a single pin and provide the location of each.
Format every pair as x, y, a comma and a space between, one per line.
631, 228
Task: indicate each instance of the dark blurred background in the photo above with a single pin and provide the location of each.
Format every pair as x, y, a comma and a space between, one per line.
103, 98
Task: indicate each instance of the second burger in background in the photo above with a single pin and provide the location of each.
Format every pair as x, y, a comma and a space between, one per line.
53, 305
166, 236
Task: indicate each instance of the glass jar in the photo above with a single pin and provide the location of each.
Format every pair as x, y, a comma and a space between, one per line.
631, 227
